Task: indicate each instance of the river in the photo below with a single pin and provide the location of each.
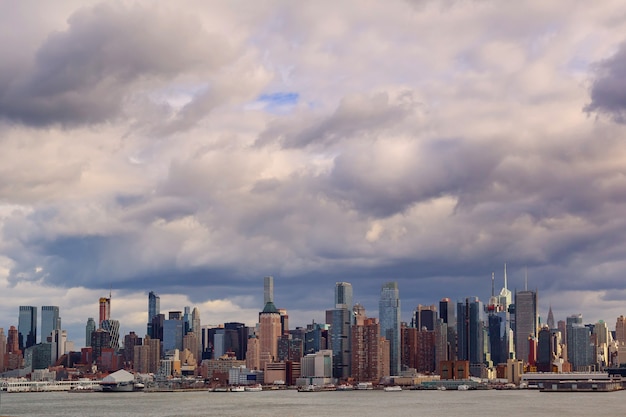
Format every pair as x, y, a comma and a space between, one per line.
292, 403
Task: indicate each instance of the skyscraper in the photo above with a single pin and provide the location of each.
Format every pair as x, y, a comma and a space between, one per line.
620, 330
447, 313
341, 322
105, 309
367, 352
89, 328
425, 316
389, 316
154, 309
526, 322
27, 327
269, 332
268, 290
3, 348
471, 334
579, 347
196, 328
50, 321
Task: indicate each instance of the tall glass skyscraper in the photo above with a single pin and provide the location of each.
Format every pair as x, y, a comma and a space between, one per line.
342, 318
471, 334
154, 309
27, 327
50, 321
89, 329
526, 322
389, 316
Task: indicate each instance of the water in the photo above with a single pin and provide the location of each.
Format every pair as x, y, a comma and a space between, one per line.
293, 403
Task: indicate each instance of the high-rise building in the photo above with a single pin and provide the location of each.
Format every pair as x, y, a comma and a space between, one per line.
424, 317
367, 352
113, 328
3, 348
526, 322
268, 290
27, 327
50, 321
105, 309
154, 309
269, 332
579, 346
389, 316
499, 323
173, 332
89, 328
58, 340
13, 340
602, 342
620, 330
196, 328
342, 317
240, 345
447, 313
316, 338
471, 334
130, 341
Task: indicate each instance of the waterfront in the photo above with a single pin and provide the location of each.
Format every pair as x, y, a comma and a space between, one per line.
292, 403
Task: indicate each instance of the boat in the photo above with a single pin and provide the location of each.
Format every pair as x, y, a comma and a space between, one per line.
254, 388
237, 388
345, 387
364, 386
220, 389
310, 388
462, 387
393, 388
441, 388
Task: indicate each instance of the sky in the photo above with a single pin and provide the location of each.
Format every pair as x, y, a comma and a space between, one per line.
193, 148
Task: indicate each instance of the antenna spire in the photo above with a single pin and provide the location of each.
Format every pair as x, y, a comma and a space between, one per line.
492, 285
505, 285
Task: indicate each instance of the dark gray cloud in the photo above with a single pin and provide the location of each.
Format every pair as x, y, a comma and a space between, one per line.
108, 53
608, 89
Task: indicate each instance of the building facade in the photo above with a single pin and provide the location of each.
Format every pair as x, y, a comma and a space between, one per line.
389, 316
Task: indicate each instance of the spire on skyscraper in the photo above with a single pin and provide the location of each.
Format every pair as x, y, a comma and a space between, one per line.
550, 318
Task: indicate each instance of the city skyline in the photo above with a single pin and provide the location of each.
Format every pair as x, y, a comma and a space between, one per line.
190, 149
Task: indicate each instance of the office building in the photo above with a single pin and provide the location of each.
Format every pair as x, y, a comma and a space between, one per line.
342, 317
27, 327
58, 341
196, 328
471, 334
316, 338
154, 309
579, 346
526, 322
238, 341
269, 332
447, 314
424, 317
89, 328
620, 330
104, 309
173, 332
50, 321
113, 328
389, 316
3, 348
